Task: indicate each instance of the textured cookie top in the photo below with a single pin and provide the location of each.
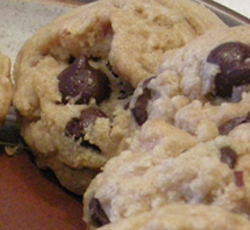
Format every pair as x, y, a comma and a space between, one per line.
200, 86
213, 173
182, 217
132, 35
6, 91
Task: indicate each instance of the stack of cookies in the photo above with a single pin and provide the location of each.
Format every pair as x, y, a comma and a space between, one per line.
143, 107
75, 77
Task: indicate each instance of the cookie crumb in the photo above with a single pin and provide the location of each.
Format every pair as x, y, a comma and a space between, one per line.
10, 151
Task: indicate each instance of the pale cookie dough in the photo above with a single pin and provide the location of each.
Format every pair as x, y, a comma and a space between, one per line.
6, 90
200, 87
171, 169
183, 217
196, 14
75, 76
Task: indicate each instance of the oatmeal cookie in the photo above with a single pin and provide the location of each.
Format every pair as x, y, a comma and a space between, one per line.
183, 217
75, 76
172, 169
202, 87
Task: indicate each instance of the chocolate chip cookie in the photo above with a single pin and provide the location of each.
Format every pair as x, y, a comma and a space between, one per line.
6, 90
182, 217
75, 77
169, 169
202, 88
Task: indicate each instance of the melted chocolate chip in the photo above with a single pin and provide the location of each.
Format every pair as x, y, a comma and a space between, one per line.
97, 214
80, 82
234, 62
76, 127
228, 156
225, 128
139, 111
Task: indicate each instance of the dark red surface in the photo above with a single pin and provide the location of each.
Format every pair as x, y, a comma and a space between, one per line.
30, 201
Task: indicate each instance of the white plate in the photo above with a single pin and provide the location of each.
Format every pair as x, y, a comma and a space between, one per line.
21, 18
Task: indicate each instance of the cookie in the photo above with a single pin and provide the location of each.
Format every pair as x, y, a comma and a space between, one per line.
75, 77
200, 87
172, 169
6, 90
182, 21
182, 217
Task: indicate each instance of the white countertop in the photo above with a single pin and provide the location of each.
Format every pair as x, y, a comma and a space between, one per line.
240, 6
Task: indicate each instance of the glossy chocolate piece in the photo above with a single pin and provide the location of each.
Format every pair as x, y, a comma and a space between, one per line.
97, 214
139, 111
80, 82
234, 62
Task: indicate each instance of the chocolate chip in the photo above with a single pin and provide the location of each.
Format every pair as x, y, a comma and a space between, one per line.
73, 129
89, 116
234, 62
126, 90
139, 111
228, 156
71, 59
226, 127
80, 82
97, 214
77, 126
239, 179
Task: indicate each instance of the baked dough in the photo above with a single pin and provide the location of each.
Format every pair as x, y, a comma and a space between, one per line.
75, 76
167, 166
182, 217
6, 89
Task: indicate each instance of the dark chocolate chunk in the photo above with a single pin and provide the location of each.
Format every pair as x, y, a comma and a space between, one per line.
234, 62
76, 127
225, 128
80, 82
139, 111
89, 116
73, 129
228, 156
97, 214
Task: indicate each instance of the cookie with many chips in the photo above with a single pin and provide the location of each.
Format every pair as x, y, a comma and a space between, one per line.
75, 76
